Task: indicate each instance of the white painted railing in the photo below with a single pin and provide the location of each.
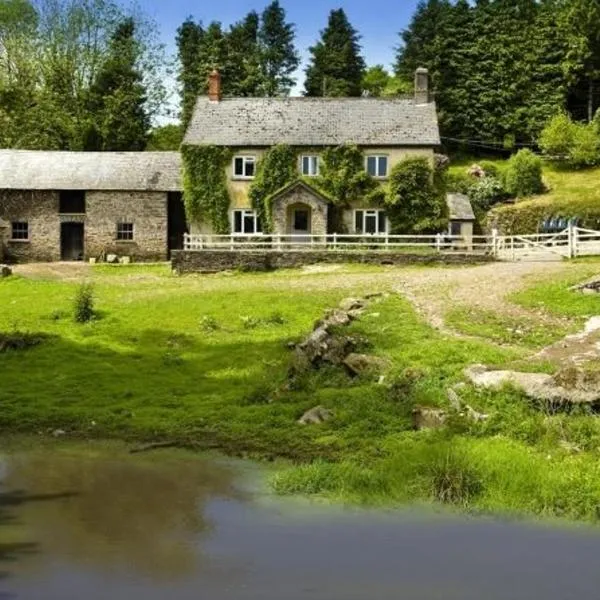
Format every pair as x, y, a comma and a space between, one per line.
569, 243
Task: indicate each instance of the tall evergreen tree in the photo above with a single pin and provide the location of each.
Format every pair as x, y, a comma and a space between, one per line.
278, 56
117, 97
189, 40
243, 57
337, 66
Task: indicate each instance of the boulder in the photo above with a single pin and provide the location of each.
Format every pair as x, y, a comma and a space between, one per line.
315, 416
5, 271
350, 304
112, 259
364, 364
538, 386
125, 260
428, 418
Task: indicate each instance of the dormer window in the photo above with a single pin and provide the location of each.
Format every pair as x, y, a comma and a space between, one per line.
244, 167
310, 165
377, 166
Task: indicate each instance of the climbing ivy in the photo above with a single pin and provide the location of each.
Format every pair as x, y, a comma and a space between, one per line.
206, 196
277, 168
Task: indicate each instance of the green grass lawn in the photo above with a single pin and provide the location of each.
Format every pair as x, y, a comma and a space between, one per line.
203, 359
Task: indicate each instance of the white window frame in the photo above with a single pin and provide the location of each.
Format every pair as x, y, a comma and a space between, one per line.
246, 160
245, 212
313, 162
125, 229
371, 212
12, 231
378, 158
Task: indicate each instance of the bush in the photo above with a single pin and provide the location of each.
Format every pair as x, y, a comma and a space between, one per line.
575, 144
490, 169
460, 183
84, 303
524, 174
208, 323
486, 191
414, 203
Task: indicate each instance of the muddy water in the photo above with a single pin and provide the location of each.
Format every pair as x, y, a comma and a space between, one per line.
106, 525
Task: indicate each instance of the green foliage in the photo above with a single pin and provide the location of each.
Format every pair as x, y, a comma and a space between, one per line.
191, 78
575, 144
336, 65
486, 191
376, 80
343, 178
277, 168
165, 138
414, 204
523, 176
206, 196
84, 303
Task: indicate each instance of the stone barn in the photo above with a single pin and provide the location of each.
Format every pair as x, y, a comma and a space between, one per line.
81, 205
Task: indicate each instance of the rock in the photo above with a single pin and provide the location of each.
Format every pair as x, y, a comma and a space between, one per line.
590, 291
364, 364
428, 418
538, 386
112, 259
125, 260
5, 271
59, 433
92, 261
316, 416
350, 304
464, 409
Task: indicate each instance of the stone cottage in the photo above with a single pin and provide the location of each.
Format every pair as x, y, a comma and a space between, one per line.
76, 205
387, 130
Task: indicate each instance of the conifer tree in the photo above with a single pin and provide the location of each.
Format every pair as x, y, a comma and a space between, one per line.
189, 40
337, 66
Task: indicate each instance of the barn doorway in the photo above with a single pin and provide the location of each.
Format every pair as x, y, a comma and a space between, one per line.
71, 241
176, 221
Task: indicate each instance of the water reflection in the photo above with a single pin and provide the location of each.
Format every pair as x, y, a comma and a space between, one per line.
141, 514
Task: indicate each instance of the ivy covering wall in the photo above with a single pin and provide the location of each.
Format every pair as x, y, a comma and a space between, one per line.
205, 192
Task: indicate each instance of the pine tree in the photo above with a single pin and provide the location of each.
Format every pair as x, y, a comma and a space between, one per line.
243, 57
337, 66
117, 97
189, 39
278, 56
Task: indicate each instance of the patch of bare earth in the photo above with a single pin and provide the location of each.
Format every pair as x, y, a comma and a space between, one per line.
63, 271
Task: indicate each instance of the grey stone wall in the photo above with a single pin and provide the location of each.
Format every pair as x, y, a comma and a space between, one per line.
211, 261
299, 195
146, 210
40, 210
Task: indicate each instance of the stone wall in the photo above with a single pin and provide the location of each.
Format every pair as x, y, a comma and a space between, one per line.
212, 261
296, 197
146, 210
40, 210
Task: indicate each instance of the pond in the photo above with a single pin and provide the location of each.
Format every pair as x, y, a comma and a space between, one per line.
100, 524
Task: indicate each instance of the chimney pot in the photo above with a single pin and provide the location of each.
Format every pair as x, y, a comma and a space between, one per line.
214, 86
422, 86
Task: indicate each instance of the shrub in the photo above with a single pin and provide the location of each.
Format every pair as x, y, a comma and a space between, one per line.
84, 303
486, 191
490, 169
458, 182
556, 138
414, 203
209, 323
585, 151
524, 174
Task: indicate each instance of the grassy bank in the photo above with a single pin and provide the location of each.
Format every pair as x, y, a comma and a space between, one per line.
204, 359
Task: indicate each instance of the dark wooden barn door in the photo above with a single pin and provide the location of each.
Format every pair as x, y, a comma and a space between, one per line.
71, 241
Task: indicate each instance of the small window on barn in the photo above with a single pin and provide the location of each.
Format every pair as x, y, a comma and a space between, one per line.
72, 202
125, 232
20, 231
370, 221
377, 166
310, 165
246, 222
244, 167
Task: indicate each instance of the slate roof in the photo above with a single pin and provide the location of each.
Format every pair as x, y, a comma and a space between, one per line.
108, 171
313, 122
459, 207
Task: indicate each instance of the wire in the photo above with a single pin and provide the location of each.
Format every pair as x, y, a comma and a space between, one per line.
487, 145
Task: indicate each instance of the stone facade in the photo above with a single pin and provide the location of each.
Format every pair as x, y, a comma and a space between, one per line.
213, 261
147, 211
299, 196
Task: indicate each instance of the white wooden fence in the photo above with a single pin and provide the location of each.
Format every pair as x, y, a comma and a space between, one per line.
569, 243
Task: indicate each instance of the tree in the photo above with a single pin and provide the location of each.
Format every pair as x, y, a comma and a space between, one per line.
117, 97
278, 56
337, 66
243, 57
523, 176
189, 39
376, 80
165, 137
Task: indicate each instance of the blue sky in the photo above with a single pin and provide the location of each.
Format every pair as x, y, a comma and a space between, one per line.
378, 21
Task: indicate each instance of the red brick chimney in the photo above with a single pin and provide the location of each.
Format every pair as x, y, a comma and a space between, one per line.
214, 86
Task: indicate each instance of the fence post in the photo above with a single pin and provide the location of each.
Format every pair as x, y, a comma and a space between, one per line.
495, 243
438, 242
573, 240
335, 241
